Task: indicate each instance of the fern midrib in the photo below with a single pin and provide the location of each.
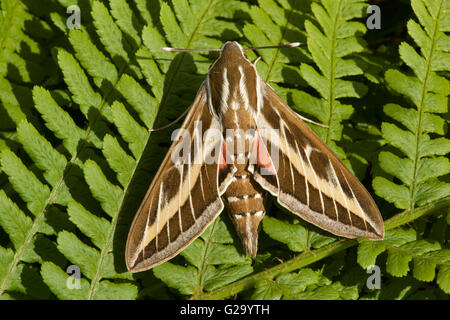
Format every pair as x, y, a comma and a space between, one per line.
37, 222
278, 50
331, 74
412, 192
109, 240
180, 62
38, 218
202, 268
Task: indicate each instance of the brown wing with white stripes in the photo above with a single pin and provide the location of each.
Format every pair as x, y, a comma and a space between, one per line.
310, 179
183, 198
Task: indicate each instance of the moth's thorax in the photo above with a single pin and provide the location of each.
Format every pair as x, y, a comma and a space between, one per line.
232, 82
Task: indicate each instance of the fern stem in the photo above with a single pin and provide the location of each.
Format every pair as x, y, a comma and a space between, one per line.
277, 52
413, 214
331, 74
39, 220
299, 261
37, 224
420, 107
309, 257
180, 62
202, 268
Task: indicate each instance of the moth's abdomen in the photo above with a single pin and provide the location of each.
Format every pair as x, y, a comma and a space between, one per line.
245, 203
244, 197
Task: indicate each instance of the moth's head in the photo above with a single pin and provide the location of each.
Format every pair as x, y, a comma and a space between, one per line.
232, 50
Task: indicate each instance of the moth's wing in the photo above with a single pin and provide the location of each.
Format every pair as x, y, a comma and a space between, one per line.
310, 180
183, 198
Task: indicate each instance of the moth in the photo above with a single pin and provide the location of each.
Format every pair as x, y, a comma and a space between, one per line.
239, 143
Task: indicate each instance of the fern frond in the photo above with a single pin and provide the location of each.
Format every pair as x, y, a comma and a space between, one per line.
333, 37
404, 247
62, 173
418, 134
297, 237
303, 285
23, 229
21, 56
277, 23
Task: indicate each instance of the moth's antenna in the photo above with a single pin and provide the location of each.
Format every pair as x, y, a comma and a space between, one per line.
280, 46
187, 50
170, 124
288, 45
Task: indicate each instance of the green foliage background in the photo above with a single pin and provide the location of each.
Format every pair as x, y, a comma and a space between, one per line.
76, 156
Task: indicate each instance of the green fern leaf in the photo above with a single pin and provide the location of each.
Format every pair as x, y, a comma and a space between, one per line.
182, 278
13, 221
266, 290
118, 159
125, 19
331, 47
294, 236
27, 64
137, 97
403, 247
24, 182
217, 277
110, 34
306, 284
50, 161
420, 172
134, 134
95, 228
92, 59
106, 193
443, 278
57, 119
277, 23
22, 231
